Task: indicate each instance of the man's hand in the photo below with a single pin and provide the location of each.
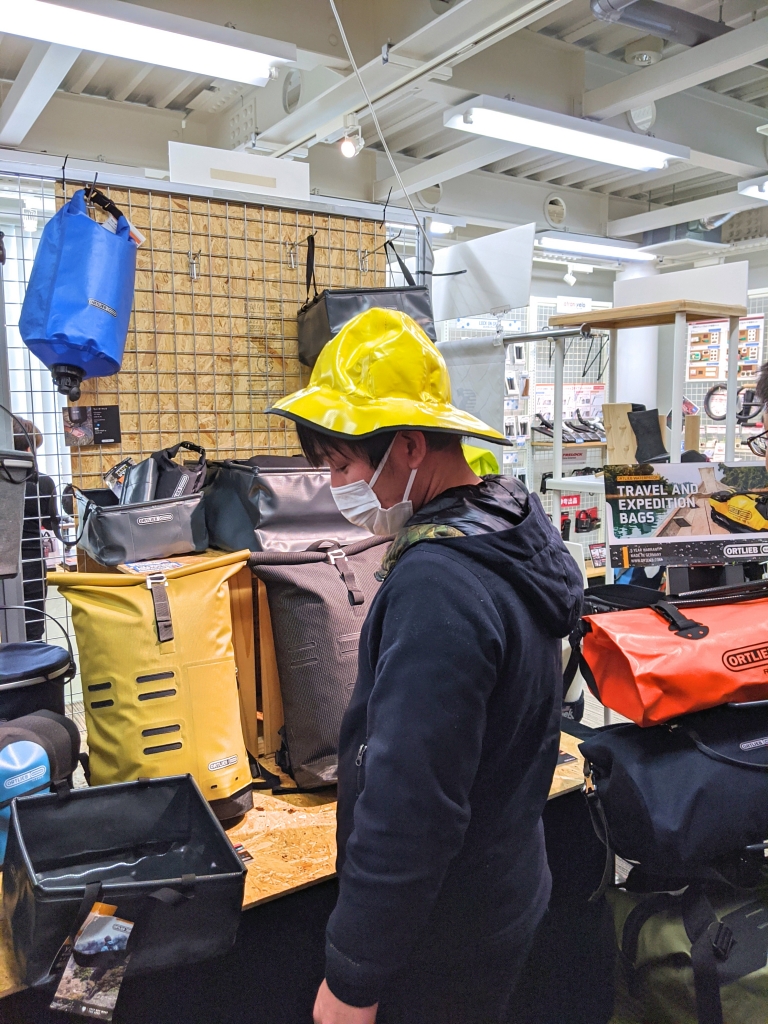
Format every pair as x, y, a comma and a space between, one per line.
330, 1010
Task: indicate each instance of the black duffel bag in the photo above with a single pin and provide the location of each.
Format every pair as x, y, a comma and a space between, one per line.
112, 533
273, 503
683, 798
322, 317
153, 848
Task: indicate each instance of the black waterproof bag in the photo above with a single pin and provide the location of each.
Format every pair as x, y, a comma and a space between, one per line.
322, 317
112, 533
273, 503
680, 798
318, 601
153, 848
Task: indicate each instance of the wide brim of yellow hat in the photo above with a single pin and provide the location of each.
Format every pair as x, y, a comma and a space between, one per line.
328, 411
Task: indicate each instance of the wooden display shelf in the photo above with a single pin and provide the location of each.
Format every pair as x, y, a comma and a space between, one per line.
649, 314
571, 444
292, 839
593, 571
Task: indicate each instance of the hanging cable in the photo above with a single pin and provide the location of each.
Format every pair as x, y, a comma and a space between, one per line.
379, 132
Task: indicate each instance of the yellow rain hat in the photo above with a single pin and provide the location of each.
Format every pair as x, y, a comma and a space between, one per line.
381, 372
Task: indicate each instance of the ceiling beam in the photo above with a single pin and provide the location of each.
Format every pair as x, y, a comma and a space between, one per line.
78, 84
703, 63
178, 86
40, 76
131, 83
453, 164
461, 32
682, 213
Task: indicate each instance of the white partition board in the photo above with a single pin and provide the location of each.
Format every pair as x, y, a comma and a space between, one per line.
725, 283
498, 274
476, 367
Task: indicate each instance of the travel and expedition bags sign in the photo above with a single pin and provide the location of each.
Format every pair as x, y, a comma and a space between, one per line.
686, 514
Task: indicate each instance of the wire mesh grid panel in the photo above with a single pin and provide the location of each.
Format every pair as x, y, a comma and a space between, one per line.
213, 338
204, 358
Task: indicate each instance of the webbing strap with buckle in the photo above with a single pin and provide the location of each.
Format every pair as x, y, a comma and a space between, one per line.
339, 560
156, 585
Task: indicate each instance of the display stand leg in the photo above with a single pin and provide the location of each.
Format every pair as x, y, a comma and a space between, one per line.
613, 369
678, 386
557, 419
732, 389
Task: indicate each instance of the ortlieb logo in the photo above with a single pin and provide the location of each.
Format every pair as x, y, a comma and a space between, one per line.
225, 762
30, 776
145, 520
746, 657
754, 744
745, 549
102, 305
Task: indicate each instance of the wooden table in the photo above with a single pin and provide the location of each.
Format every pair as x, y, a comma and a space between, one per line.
292, 839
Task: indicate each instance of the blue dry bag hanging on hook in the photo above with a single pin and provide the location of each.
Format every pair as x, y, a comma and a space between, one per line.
78, 302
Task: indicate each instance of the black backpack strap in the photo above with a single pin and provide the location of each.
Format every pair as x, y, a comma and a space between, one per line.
157, 586
710, 752
343, 566
711, 942
407, 275
174, 451
311, 267
657, 903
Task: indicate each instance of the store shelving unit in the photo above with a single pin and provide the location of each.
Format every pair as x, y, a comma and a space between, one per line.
656, 314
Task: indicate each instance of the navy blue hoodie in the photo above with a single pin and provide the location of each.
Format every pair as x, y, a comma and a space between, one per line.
450, 741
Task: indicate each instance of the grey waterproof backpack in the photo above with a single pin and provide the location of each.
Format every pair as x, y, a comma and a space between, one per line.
318, 601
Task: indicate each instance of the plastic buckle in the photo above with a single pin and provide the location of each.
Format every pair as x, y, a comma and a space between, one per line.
335, 556
156, 578
723, 942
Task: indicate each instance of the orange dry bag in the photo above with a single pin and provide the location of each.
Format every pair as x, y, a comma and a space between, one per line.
673, 656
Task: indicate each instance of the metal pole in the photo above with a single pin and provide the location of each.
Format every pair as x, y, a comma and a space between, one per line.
678, 386
613, 369
424, 259
12, 628
557, 420
733, 387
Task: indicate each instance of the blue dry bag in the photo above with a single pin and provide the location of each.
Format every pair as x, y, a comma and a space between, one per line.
78, 302
37, 752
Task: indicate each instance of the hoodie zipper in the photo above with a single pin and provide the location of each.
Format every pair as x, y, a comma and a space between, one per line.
359, 764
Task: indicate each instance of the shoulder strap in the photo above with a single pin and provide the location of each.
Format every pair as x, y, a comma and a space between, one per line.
407, 275
715, 755
711, 941
311, 265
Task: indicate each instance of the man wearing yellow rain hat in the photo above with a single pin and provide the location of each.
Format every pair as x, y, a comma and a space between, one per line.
449, 743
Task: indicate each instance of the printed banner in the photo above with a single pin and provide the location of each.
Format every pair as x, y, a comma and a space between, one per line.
699, 513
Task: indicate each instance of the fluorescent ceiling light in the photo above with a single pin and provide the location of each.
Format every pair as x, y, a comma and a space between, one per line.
558, 133
757, 188
603, 250
154, 37
439, 227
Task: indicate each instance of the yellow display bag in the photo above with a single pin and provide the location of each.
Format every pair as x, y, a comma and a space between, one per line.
159, 679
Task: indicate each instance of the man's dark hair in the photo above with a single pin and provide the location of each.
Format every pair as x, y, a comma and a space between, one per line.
762, 384
317, 446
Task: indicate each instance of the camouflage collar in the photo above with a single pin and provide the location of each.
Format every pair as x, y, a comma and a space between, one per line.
409, 536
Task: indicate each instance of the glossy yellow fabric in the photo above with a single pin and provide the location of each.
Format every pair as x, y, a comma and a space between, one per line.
114, 622
381, 372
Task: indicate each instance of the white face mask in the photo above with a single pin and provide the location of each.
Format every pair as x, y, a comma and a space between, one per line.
358, 503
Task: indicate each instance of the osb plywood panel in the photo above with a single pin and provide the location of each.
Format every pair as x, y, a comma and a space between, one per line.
204, 360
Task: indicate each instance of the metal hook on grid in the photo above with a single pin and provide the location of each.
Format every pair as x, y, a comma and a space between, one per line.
194, 264
292, 252
91, 206
362, 260
589, 363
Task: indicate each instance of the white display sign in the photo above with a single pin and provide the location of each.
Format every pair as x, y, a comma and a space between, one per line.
572, 304
238, 171
708, 345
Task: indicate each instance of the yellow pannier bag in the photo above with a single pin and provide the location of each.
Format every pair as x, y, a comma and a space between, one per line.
159, 680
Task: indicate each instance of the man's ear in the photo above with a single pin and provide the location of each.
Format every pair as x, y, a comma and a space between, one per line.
415, 447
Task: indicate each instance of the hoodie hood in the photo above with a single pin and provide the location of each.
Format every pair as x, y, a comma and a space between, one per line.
506, 530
